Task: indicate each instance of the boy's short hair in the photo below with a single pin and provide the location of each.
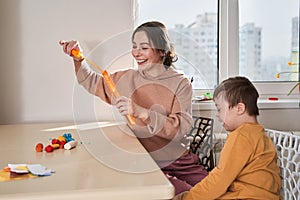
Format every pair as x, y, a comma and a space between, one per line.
239, 90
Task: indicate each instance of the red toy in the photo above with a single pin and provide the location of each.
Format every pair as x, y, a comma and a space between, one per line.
49, 148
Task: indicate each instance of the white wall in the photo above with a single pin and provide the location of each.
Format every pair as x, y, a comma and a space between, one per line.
37, 82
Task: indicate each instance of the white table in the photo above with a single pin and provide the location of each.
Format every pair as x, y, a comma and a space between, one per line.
108, 163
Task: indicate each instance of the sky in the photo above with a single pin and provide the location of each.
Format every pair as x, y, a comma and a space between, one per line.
273, 16
276, 24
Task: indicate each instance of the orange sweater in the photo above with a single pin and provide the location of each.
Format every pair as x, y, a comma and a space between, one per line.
247, 169
167, 96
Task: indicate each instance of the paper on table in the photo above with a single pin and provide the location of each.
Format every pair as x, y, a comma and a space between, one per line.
39, 170
23, 171
18, 168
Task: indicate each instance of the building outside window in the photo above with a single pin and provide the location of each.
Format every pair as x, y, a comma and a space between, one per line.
268, 39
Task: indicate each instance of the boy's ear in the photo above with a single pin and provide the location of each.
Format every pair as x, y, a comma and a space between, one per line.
241, 108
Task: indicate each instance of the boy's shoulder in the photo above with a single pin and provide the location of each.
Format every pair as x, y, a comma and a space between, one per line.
247, 134
249, 130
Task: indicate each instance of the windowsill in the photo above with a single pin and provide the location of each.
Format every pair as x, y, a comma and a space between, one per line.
262, 104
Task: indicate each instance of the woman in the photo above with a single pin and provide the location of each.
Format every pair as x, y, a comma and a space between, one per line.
157, 96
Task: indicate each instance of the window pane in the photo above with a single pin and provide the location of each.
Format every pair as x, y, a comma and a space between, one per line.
269, 39
192, 28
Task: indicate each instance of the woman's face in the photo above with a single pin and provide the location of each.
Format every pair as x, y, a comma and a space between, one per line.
142, 50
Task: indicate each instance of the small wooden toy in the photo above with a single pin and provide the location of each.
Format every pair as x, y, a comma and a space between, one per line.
39, 147
49, 148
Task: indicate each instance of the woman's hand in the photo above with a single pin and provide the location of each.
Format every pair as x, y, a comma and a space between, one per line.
128, 107
69, 46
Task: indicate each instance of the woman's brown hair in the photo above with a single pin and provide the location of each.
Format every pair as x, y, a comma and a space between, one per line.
157, 34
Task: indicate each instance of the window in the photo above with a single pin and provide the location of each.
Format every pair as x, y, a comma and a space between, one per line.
268, 39
216, 39
193, 28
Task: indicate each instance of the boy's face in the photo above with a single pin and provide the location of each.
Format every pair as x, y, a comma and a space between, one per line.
227, 116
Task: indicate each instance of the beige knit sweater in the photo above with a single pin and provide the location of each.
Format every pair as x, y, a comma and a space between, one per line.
167, 96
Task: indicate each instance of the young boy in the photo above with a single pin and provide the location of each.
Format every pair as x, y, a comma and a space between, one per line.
248, 162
